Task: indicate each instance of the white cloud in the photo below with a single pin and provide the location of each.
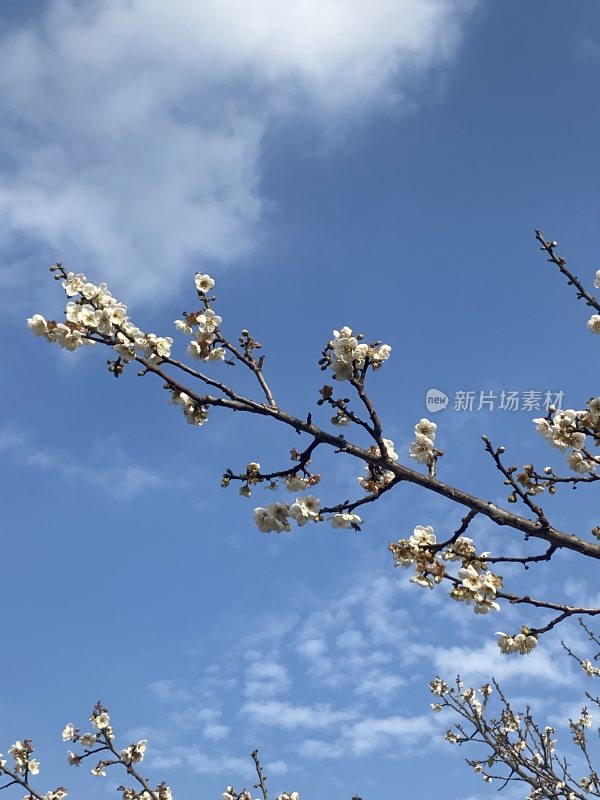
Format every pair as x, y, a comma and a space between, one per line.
480, 663
291, 717
132, 131
114, 470
372, 733
265, 678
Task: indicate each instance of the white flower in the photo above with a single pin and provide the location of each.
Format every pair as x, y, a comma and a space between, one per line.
38, 325
521, 643
422, 449
196, 351
379, 355
184, 326
125, 349
580, 464
208, 322
204, 283
594, 323
156, 345
68, 732
597, 279
304, 509
345, 520
422, 536
389, 446
426, 428
101, 720
74, 283
589, 668
347, 353
70, 338
216, 354
88, 739
294, 483
273, 518
99, 769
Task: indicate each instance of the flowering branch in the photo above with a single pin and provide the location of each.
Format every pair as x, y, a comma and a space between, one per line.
95, 316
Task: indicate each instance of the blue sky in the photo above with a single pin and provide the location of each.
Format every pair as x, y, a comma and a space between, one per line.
329, 165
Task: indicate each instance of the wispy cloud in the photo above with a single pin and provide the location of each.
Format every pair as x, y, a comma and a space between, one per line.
485, 661
115, 471
132, 134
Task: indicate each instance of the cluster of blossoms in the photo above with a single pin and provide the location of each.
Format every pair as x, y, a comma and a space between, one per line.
101, 739
275, 516
204, 325
346, 354
24, 766
21, 754
194, 413
96, 313
293, 481
523, 642
422, 448
568, 431
475, 584
97, 316
231, 794
162, 792
589, 669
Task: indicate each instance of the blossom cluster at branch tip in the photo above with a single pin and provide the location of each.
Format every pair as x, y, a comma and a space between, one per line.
21, 752
475, 583
568, 430
422, 448
523, 642
348, 355
203, 324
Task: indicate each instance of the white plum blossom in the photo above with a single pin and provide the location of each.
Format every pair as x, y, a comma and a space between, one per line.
427, 428
101, 720
184, 325
345, 520
295, 483
194, 413
422, 449
204, 283
134, 753
156, 346
274, 517
305, 509
73, 284
68, 732
208, 323
578, 463
597, 279
594, 324
88, 739
38, 325
422, 536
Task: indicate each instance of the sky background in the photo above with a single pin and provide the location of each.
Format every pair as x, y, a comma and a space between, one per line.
329, 163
